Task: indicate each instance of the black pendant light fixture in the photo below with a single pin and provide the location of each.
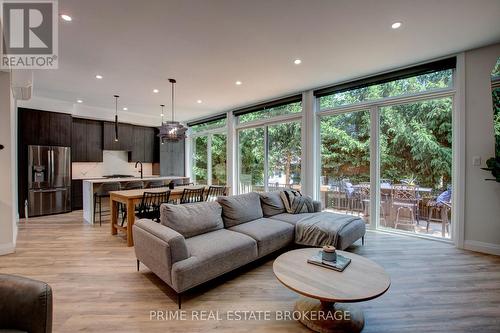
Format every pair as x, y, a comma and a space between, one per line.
162, 114
116, 116
172, 131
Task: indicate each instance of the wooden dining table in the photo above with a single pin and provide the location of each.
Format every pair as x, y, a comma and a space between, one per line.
131, 198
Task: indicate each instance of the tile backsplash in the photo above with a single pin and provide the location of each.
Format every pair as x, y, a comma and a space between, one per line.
113, 162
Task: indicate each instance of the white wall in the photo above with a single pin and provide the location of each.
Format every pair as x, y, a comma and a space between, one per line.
86, 111
113, 163
8, 227
482, 198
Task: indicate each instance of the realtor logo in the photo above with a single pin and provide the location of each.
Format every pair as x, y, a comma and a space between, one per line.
29, 34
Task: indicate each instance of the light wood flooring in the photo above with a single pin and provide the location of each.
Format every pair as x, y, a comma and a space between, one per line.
435, 287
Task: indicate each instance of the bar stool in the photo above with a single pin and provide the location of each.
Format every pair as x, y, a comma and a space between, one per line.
103, 192
155, 184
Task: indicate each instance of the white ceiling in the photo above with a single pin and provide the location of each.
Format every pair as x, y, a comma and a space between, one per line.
209, 44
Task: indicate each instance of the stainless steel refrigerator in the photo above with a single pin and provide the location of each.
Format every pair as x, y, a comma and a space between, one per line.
49, 180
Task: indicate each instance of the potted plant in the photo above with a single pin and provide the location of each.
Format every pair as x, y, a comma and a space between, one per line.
493, 165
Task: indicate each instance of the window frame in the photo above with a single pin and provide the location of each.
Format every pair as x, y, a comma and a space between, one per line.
192, 151
374, 108
264, 123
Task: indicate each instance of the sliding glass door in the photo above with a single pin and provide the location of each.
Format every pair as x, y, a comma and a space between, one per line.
345, 163
415, 147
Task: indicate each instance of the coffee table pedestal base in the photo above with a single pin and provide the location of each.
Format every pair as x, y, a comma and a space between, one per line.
326, 317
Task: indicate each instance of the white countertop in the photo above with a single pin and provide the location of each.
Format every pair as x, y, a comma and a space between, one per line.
128, 179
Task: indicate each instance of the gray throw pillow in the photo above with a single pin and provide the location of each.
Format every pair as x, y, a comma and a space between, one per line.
241, 208
192, 219
295, 203
272, 204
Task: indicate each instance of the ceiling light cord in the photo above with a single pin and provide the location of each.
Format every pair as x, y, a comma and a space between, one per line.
173, 96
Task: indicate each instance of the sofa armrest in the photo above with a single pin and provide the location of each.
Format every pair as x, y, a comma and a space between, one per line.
317, 206
26, 304
158, 247
175, 241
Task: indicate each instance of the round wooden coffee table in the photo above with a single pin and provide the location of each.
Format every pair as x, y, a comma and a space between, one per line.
327, 290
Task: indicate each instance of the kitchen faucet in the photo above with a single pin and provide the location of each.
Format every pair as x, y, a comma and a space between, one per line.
139, 162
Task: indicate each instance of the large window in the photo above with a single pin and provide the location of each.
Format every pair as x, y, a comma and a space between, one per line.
284, 155
200, 166
271, 152
415, 164
267, 113
412, 151
209, 159
401, 87
251, 165
345, 162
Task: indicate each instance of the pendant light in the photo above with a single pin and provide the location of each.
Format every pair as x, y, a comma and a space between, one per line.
162, 114
116, 116
172, 131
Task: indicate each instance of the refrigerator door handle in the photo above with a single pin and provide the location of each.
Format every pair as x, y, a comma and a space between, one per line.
52, 166
49, 167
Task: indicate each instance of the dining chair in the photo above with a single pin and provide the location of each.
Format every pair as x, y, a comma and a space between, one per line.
192, 195
103, 192
134, 185
404, 197
149, 207
216, 191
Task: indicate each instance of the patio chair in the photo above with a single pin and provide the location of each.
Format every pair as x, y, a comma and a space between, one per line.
404, 197
441, 205
364, 191
339, 197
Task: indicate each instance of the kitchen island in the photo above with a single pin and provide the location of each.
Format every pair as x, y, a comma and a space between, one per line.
91, 185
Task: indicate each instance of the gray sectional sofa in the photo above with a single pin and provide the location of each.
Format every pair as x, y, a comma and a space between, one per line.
195, 243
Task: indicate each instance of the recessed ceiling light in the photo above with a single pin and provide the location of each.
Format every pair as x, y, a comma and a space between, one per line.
199, 101
98, 76
156, 91
79, 101
297, 61
125, 109
396, 25
238, 83
66, 18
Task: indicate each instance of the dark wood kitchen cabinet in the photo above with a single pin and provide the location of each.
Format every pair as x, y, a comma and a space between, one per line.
76, 194
86, 140
149, 144
143, 145
44, 128
125, 136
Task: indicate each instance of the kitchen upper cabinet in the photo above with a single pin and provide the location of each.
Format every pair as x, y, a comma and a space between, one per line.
143, 146
44, 128
60, 129
86, 140
79, 141
94, 141
125, 137
137, 153
150, 145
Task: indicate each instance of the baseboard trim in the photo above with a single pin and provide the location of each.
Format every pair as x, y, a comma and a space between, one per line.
7, 248
483, 247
